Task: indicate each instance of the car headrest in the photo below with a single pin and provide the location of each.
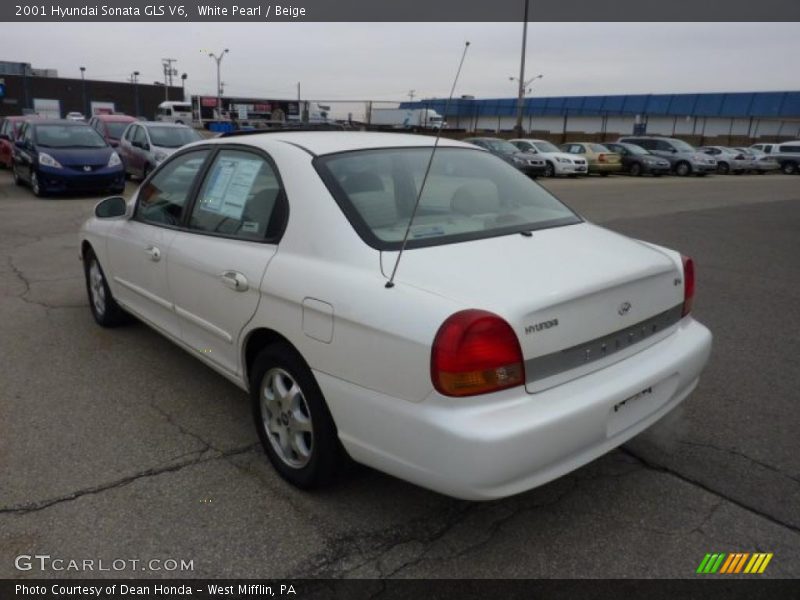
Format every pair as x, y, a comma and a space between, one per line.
476, 198
377, 208
362, 182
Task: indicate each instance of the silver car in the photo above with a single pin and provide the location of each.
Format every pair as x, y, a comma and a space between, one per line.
145, 144
729, 160
683, 157
760, 161
787, 154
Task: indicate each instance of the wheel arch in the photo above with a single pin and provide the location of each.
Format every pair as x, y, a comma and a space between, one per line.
258, 339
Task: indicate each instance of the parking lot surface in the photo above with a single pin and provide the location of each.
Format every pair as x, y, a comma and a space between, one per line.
116, 444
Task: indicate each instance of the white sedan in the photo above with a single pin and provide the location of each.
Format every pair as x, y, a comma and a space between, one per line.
557, 162
517, 343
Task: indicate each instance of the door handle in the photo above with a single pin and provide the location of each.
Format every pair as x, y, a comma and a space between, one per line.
153, 252
234, 280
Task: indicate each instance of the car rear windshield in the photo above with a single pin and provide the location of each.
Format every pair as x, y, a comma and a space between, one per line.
115, 128
172, 137
501, 146
598, 148
634, 149
469, 194
68, 136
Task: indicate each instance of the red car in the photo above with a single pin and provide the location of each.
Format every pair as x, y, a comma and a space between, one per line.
111, 126
9, 129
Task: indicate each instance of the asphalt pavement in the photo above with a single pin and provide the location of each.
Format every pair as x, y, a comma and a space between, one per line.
118, 445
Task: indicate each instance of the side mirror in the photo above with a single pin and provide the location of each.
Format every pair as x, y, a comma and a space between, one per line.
111, 208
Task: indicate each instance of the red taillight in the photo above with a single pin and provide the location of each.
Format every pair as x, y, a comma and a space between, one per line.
688, 285
475, 352
601, 158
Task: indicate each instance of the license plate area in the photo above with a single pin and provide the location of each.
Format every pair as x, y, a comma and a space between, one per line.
632, 409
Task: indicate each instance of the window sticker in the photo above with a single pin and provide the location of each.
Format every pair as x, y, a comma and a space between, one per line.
229, 186
249, 227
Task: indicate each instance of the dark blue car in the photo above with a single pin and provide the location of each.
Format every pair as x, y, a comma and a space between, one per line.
65, 156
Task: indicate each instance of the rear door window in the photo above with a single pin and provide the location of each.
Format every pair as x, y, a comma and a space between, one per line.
239, 197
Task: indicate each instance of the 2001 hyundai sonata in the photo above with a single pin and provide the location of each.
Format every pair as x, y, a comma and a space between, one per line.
518, 342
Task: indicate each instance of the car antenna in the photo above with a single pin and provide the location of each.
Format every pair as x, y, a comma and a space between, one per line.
390, 283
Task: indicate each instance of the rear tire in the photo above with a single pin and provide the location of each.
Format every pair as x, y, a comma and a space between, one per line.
105, 309
292, 419
636, 169
789, 167
723, 168
604, 174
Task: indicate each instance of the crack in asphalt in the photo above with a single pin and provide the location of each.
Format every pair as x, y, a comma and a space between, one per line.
733, 452
171, 420
752, 509
23, 296
418, 538
38, 506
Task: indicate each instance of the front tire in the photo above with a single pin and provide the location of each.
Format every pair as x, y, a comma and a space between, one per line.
549, 170
292, 419
105, 309
636, 169
36, 185
15, 174
723, 168
789, 167
683, 169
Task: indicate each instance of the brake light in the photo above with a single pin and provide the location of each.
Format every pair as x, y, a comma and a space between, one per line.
688, 285
601, 158
475, 352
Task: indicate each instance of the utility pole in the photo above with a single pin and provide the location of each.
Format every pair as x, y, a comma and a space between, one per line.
168, 73
298, 95
411, 94
521, 94
135, 82
218, 60
83, 87
183, 85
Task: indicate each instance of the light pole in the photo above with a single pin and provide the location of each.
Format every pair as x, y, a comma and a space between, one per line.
83, 86
521, 79
135, 81
183, 85
218, 60
524, 89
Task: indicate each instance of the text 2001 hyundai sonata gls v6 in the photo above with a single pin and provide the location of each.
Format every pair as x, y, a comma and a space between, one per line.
518, 342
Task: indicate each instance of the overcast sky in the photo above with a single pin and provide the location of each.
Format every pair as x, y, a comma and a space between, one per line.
386, 60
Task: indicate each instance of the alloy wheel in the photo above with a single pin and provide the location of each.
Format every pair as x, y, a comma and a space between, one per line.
286, 418
97, 288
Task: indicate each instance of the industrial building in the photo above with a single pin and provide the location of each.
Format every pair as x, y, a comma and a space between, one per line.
726, 117
25, 90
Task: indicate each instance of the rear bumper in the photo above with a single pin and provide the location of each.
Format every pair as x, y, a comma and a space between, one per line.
498, 445
605, 168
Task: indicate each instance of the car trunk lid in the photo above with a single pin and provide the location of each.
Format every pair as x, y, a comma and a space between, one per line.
578, 297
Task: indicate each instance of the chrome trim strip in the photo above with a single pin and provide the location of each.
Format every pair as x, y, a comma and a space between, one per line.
542, 367
144, 293
203, 324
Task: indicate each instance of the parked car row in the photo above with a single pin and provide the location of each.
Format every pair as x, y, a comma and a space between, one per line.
69, 155
641, 155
